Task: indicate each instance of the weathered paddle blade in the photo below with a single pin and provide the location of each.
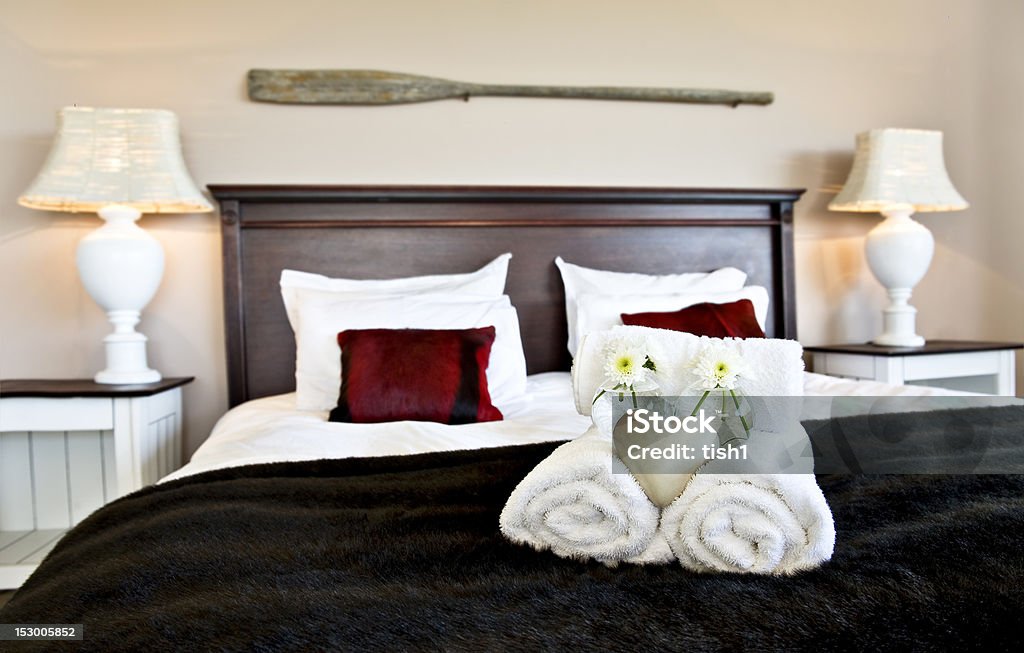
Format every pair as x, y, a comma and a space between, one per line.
348, 87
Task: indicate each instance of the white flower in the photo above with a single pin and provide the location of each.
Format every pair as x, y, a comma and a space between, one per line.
624, 364
718, 367
628, 365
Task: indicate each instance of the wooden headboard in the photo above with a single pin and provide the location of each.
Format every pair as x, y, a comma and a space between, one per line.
396, 231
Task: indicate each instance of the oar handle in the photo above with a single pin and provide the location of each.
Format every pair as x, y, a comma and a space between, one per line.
629, 93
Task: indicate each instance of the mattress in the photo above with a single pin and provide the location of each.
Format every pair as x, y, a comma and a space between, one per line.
271, 430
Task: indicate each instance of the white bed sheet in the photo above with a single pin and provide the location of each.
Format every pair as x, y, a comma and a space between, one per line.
271, 430
821, 385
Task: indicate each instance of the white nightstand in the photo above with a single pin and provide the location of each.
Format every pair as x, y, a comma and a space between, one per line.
67, 447
986, 367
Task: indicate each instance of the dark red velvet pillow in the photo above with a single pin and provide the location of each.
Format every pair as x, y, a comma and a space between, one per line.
427, 375
731, 320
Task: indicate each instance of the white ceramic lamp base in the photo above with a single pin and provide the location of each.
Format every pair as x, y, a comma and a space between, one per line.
121, 267
126, 352
899, 251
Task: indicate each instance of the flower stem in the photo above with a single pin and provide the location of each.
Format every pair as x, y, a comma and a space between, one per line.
743, 420
700, 403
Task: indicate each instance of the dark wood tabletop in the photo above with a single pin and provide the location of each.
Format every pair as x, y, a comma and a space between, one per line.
930, 347
86, 387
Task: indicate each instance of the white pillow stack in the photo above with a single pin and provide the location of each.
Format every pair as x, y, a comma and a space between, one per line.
602, 312
319, 308
595, 299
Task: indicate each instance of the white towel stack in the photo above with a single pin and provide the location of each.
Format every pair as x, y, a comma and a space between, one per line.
731, 516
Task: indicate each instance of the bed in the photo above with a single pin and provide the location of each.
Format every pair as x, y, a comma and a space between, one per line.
276, 536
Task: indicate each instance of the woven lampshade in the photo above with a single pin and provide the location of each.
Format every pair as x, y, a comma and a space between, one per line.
115, 156
898, 166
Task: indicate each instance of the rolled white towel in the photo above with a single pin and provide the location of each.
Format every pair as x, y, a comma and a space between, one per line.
573, 504
774, 524
761, 515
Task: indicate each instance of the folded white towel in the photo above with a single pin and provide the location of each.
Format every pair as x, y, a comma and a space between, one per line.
778, 365
573, 504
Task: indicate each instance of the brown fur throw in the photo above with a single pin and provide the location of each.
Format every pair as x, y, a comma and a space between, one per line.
404, 552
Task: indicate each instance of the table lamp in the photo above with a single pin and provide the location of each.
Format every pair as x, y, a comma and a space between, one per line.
119, 163
898, 172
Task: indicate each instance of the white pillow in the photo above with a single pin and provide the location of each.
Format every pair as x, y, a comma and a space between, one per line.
318, 359
602, 312
580, 281
299, 287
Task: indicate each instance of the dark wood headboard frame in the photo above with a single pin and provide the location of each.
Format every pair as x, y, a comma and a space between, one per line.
397, 231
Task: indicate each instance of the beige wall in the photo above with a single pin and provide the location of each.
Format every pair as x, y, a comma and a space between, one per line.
836, 68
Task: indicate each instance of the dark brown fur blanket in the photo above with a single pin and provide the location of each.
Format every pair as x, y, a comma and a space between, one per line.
404, 553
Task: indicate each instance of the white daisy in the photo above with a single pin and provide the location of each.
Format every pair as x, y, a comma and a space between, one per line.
717, 367
624, 364
628, 366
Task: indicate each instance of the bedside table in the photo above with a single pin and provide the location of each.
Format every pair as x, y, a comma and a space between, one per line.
986, 367
67, 447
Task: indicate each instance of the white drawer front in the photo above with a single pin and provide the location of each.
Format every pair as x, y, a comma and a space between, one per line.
938, 366
42, 414
860, 367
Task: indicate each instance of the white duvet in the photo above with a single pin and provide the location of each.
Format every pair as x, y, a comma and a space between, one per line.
271, 430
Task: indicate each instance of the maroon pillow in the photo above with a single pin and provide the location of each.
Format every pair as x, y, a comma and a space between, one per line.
731, 320
425, 375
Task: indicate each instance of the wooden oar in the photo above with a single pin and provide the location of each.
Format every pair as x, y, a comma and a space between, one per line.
364, 87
